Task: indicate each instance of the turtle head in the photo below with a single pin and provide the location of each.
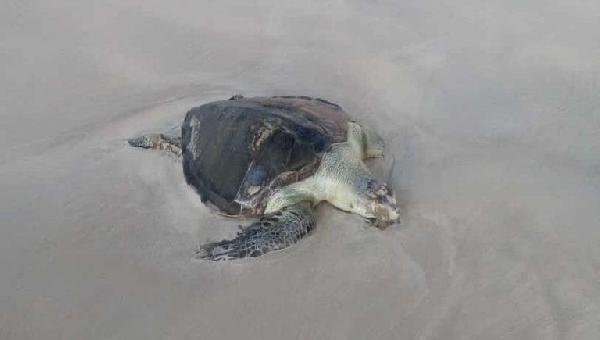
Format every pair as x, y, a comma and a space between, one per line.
381, 205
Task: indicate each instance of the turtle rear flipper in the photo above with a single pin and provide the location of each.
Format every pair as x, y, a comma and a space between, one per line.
272, 232
157, 141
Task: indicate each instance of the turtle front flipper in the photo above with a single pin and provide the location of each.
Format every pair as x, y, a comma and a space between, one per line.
272, 232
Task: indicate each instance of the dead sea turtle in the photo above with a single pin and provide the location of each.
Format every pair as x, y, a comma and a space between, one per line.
275, 158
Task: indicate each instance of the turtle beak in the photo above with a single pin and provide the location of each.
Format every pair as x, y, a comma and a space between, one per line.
382, 224
392, 215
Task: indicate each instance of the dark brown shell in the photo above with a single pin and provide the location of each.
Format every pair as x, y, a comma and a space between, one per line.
235, 152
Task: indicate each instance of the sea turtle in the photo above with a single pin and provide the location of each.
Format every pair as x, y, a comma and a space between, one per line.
275, 158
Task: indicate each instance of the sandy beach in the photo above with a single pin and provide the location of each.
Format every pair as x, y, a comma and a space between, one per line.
491, 111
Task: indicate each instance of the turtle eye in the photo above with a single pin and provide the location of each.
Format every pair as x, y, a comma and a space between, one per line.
379, 191
384, 190
374, 188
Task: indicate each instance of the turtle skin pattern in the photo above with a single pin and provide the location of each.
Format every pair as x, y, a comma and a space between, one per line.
272, 232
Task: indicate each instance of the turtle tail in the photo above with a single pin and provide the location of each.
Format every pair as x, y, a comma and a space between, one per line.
272, 232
